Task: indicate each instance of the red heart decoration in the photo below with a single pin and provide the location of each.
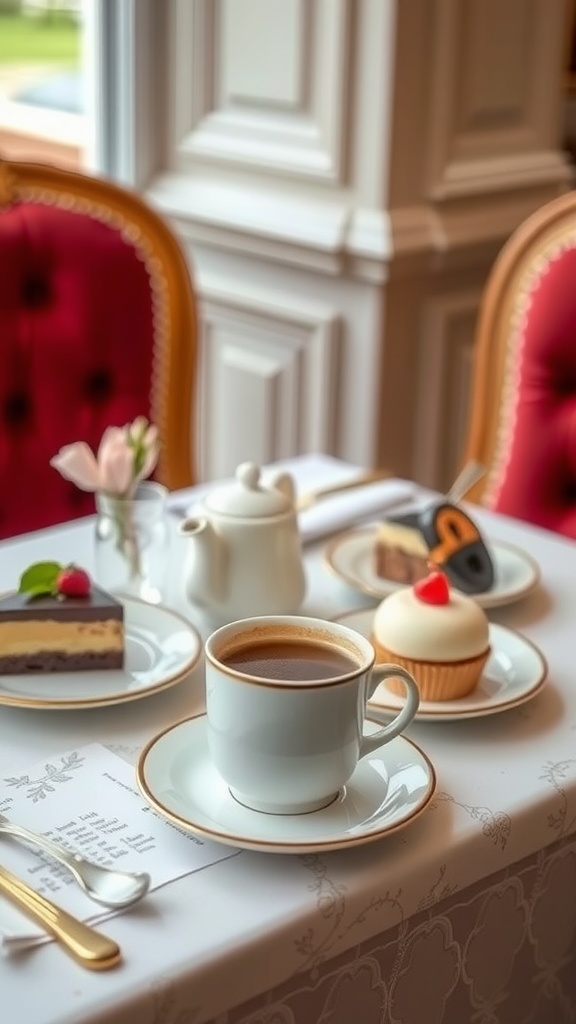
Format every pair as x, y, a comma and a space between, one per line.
433, 589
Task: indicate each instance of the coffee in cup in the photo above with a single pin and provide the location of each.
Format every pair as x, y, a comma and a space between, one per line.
286, 702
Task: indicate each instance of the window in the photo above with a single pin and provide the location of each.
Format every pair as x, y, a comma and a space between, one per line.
117, 60
42, 96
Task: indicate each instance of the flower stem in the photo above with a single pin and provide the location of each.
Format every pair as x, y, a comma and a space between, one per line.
127, 539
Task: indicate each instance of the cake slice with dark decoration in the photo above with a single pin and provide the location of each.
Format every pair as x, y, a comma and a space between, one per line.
439, 535
59, 621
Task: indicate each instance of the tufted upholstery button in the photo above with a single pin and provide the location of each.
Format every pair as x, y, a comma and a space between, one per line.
35, 291
564, 386
98, 385
17, 410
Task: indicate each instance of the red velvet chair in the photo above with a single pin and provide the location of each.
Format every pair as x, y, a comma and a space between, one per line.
523, 415
97, 326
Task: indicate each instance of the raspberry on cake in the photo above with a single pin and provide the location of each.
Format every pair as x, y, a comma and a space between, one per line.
439, 635
442, 535
59, 621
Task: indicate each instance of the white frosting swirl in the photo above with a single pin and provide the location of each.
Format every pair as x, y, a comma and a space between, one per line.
409, 627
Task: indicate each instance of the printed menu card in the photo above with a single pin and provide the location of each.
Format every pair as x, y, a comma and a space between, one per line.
87, 800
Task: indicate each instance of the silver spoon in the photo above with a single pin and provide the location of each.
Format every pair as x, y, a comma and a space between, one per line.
468, 476
105, 885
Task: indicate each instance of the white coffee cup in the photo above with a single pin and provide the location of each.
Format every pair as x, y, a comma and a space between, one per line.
285, 729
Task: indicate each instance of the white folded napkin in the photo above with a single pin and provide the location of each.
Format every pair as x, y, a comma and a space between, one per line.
330, 514
338, 511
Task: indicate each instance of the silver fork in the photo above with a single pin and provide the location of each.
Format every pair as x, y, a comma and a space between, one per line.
105, 885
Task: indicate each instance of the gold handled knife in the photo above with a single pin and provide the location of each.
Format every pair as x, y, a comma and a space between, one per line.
88, 946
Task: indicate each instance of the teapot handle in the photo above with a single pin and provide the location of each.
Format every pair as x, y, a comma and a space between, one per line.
284, 483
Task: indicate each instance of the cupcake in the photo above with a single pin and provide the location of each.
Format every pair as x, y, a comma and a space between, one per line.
439, 635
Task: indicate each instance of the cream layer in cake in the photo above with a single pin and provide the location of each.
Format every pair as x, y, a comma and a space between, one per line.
73, 637
404, 537
61, 634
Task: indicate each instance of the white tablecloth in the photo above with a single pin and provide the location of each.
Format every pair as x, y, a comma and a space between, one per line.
210, 941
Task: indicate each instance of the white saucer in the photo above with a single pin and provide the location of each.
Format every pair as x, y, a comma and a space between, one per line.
514, 673
161, 648
389, 789
350, 556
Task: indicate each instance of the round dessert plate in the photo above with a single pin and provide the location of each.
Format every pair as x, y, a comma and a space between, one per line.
515, 672
161, 648
350, 556
387, 791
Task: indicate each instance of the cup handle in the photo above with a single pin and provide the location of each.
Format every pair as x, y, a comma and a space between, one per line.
404, 716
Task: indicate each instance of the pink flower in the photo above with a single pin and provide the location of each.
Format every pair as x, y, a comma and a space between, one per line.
76, 462
115, 462
126, 455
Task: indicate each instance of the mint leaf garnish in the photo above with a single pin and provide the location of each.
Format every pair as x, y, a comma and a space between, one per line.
40, 578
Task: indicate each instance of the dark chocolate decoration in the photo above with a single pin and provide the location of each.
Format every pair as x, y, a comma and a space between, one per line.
97, 606
456, 545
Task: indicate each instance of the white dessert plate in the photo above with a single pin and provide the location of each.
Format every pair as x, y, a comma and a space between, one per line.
350, 556
161, 648
387, 791
515, 672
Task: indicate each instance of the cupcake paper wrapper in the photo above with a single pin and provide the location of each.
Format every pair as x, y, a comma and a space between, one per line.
436, 681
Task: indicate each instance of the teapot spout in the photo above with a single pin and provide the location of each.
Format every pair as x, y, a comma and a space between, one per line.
193, 526
203, 573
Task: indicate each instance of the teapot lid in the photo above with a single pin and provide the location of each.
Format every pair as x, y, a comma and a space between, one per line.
247, 497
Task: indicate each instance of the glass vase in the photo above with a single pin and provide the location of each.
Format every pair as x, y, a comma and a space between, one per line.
131, 553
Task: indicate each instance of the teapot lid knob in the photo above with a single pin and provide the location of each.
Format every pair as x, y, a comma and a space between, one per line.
248, 474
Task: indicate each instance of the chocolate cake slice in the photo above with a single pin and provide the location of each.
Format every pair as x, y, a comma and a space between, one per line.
50, 633
401, 553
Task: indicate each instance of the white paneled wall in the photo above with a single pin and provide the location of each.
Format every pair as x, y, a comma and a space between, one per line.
342, 173
270, 368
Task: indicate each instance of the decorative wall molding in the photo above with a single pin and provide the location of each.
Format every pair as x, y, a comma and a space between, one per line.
477, 99
271, 223
460, 226
343, 173
325, 235
502, 173
489, 96
267, 84
270, 370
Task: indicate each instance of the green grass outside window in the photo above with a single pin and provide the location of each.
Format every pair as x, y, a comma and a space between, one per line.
46, 39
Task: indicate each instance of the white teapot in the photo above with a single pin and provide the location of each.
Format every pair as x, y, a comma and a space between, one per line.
245, 557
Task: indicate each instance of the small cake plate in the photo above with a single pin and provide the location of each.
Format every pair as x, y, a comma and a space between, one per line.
515, 672
350, 556
387, 791
161, 648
